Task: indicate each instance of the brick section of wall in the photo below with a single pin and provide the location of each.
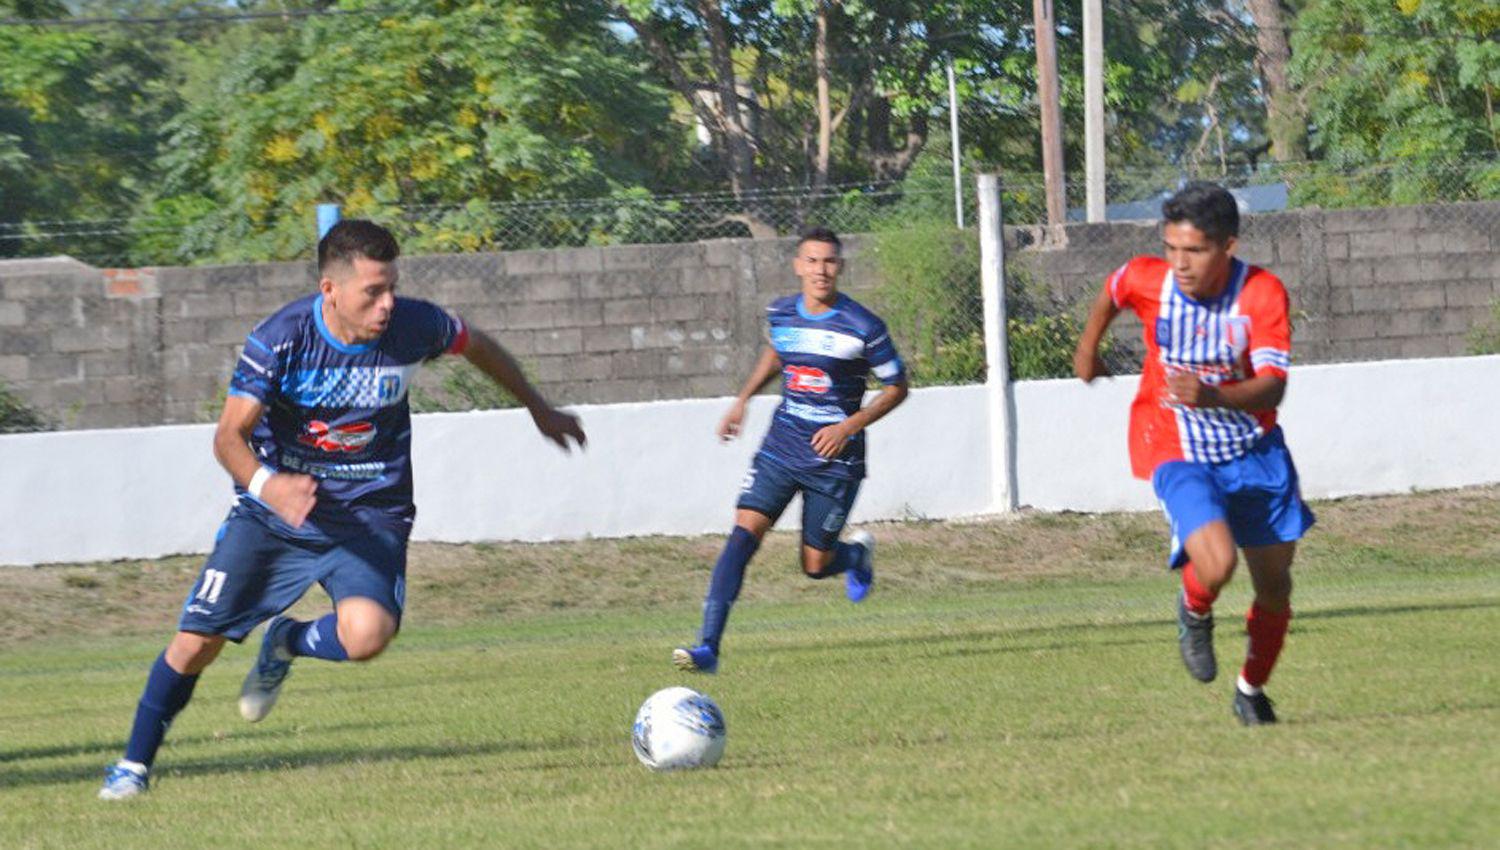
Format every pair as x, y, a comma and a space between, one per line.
644, 322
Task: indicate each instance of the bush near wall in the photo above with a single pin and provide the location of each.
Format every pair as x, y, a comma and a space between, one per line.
929, 294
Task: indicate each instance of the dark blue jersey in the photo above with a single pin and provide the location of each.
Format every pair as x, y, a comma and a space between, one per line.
825, 360
339, 412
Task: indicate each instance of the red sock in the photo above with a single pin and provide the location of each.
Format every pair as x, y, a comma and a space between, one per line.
1200, 600
1267, 632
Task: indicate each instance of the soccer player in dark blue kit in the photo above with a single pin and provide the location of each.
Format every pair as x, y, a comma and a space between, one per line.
316, 433
824, 345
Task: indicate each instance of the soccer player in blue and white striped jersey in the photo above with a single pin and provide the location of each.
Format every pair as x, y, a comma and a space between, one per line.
824, 345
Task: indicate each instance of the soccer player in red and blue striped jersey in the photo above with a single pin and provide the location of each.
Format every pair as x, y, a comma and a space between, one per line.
1203, 425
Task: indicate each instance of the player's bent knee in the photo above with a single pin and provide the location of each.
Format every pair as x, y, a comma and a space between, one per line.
365, 638
365, 645
190, 653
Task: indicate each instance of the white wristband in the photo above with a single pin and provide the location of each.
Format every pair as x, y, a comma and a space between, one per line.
258, 480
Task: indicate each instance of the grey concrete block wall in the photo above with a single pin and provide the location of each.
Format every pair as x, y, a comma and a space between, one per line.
92, 348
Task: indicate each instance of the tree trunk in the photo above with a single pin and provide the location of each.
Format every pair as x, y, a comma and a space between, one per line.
724, 118
825, 108
1048, 94
1285, 122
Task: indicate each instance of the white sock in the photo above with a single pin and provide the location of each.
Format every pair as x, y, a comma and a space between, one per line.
132, 766
1246, 688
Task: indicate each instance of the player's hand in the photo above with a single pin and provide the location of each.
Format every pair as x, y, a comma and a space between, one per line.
830, 440
1088, 365
1184, 388
291, 496
558, 426
729, 426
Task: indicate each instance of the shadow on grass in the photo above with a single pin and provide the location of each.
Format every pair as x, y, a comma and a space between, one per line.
300, 759
115, 746
1394, 610
1082, 634
978, 635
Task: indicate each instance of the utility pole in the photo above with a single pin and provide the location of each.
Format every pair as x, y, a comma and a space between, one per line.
1050, 97
1093, 106
958, 170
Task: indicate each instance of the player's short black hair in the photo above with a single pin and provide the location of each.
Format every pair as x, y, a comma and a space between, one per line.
1206, 206
821, 234
356, 237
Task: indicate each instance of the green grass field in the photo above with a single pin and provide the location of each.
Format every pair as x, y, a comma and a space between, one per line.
1011, 684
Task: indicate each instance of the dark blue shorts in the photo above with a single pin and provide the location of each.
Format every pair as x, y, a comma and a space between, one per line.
253, 574
1257, 494
769, 487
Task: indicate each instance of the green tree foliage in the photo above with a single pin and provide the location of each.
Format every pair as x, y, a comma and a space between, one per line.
79, 109
929, 294
1412, 82
442, 107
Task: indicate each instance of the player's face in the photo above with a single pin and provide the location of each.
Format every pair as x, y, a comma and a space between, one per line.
1200, 263
362, 295
818, 265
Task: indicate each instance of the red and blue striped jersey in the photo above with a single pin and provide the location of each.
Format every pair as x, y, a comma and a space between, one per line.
1244, 332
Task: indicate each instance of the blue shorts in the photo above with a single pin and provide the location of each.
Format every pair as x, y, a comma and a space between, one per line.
769, 487
253, 574
1257, 494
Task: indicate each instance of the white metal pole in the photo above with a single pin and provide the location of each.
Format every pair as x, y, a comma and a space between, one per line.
958, 171
996, 346
1093, 107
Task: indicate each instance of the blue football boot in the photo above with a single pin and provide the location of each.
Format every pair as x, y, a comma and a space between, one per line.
859, 580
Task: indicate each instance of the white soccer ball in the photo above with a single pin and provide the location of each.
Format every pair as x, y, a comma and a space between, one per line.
678, 728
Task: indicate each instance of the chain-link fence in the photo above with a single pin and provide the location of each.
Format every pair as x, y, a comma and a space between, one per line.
595, 319
631, 218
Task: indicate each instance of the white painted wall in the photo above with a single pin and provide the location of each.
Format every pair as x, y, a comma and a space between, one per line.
649, 469
656, 468
1353, 429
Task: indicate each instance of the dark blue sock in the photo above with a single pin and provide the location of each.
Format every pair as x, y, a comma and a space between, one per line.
317, 639
845, 557
167, 691
724, 586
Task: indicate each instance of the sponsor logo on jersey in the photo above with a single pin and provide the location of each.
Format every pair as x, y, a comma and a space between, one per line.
1237, 334
807, 379
351, 437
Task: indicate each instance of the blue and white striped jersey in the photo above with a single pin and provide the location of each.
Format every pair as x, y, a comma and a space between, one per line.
339, 412
825, 359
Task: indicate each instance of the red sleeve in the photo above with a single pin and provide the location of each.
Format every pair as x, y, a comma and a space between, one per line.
460, 332
1137, 284
1264, 302
1118, 287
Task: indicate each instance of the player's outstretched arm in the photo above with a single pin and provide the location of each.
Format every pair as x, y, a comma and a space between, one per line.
830, 440
1087, 364
291, 496
493, 360
765, 369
